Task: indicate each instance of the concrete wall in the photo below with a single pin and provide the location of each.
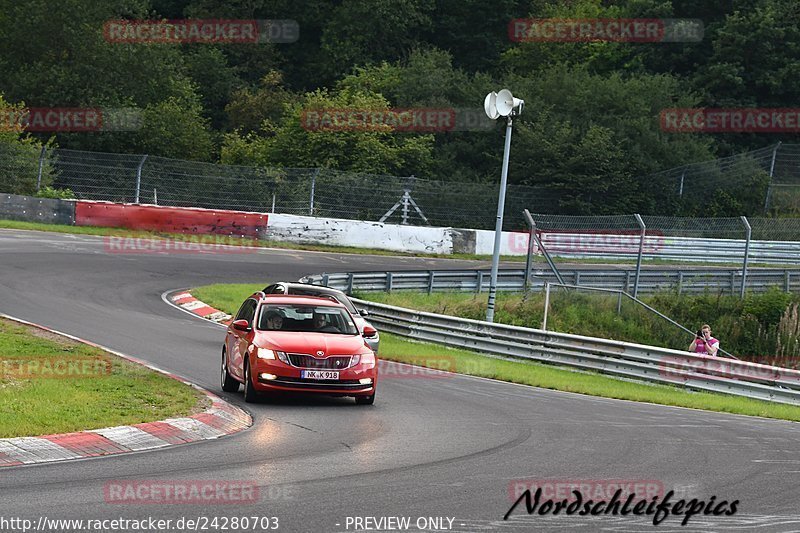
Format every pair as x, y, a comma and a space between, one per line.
361, 234
32, 209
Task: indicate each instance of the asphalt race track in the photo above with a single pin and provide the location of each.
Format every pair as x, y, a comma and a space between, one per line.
429, 447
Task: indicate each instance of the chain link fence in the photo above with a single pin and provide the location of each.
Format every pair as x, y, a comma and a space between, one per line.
769, 177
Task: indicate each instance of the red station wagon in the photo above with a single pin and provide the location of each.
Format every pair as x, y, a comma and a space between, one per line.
298, 344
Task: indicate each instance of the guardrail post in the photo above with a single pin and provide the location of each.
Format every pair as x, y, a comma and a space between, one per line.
139, 178
786, 279
350, 277
680, 282
41, 166
388, 282
479, 282
639, 258
619, 302
431, 274
325, 279
746, 254
627, 281
733, 282
546, 304
577, 277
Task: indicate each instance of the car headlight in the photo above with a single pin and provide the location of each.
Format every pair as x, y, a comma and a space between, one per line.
282, 356
263, 353
363, 358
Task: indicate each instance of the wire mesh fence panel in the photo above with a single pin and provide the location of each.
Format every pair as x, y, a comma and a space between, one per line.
96, 175
19, 168
761, 181
611, 315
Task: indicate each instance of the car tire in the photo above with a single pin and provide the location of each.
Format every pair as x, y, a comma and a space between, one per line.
227, 382
250, 394
365, 400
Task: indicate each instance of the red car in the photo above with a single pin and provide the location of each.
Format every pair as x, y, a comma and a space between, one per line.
298, 344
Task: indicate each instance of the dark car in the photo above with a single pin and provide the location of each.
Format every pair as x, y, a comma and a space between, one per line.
298, 344
305, 289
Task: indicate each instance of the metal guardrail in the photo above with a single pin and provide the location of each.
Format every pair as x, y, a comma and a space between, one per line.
686, 281
621, 359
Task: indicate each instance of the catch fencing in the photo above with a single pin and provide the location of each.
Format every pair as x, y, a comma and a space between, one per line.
365, 196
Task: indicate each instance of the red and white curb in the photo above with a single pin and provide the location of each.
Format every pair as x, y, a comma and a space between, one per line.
219, 420
189, 303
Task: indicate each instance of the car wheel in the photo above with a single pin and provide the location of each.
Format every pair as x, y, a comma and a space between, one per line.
250, 394
365, 400
228, 382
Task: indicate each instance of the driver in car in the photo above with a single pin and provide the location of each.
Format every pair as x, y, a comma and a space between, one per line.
274, 320
321, 324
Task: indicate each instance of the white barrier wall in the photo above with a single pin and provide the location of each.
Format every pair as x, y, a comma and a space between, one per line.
360, 234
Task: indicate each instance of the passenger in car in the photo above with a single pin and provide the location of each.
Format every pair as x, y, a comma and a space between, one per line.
274, 320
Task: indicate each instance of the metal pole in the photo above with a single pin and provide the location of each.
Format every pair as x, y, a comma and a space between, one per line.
680, 192
546, 304
746, 254
273, 202
771, 173
41, 166
539, 243
639, 259
498, 228
155, 196
529, 259
406, 195
139, 178
313, 187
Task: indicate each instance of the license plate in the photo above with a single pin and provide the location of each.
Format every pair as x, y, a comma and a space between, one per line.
320, 374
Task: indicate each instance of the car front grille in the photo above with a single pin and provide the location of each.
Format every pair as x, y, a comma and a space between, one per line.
302, 360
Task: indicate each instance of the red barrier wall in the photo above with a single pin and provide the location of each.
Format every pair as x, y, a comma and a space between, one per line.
171, 219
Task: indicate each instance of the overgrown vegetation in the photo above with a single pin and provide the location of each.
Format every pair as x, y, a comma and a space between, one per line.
762, 327
589, 135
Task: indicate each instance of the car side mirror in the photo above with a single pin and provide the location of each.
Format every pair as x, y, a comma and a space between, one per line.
241, 325
363, 312
369, 331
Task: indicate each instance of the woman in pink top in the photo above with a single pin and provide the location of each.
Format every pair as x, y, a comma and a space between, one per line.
704, 343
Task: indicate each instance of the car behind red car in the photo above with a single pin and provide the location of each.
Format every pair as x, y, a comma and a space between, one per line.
298, 344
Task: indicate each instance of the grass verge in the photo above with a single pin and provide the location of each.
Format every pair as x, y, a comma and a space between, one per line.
52, 384
394, 348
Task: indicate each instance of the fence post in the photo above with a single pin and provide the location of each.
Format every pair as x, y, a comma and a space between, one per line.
545, 253
528, 260
771, 173
273, 202
155, 196
546, 304
639, 258
41, 166
313, 187
746, 254
139, 178
619, 302
683, 175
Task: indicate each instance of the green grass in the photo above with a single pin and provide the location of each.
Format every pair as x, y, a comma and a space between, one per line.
395, 348
33, 404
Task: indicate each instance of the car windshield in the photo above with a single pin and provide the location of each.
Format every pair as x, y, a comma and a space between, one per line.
314, 292
306, 318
